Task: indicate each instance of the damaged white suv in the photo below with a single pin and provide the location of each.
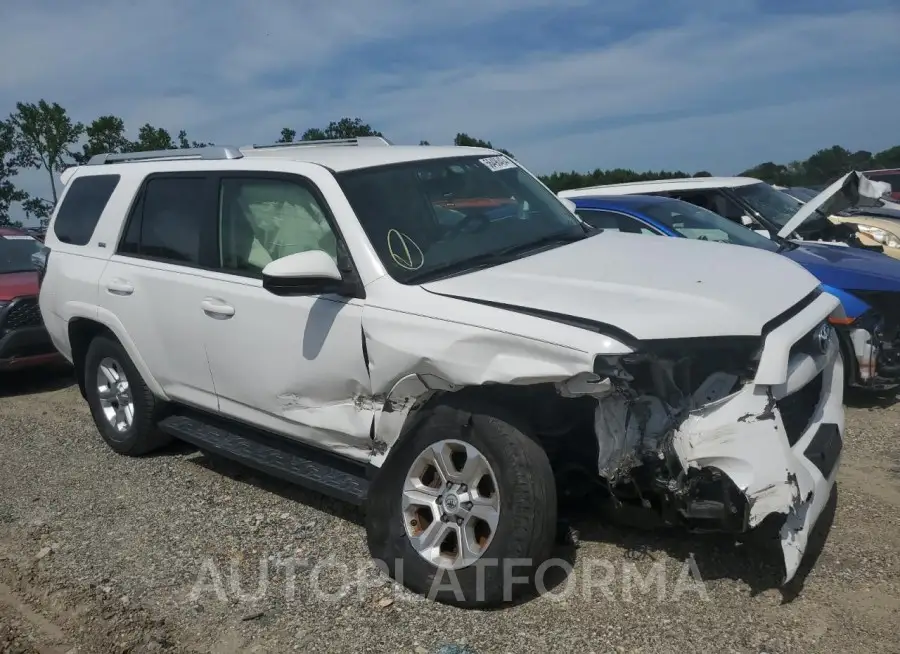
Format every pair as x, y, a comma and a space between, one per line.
430, 332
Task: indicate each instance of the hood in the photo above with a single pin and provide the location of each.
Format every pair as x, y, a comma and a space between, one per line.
849, 269
871, 212
652, 288
13, 285
843, 194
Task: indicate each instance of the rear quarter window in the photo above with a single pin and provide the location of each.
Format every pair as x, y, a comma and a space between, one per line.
82, 207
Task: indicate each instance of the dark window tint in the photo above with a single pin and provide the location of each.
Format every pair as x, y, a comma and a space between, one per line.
167, 221
81, 208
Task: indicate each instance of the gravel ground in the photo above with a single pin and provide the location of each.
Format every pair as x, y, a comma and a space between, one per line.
102, 553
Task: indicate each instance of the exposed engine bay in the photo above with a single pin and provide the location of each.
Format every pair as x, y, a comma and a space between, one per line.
689, 440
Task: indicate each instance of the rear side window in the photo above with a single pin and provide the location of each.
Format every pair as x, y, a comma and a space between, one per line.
82, 206
168, 220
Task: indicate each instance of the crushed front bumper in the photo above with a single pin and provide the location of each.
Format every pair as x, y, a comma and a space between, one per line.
780, 444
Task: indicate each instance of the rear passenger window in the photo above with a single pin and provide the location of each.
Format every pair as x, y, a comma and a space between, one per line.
82, 206
168, 220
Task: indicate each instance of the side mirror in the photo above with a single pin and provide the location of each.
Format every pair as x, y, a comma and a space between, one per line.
303, 273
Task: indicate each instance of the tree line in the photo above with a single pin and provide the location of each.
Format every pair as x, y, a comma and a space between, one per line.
43, 136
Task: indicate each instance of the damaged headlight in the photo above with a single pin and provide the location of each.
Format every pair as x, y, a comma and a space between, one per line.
675, 369
882, 236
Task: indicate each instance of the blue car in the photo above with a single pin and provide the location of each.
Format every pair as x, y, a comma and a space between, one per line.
866, 282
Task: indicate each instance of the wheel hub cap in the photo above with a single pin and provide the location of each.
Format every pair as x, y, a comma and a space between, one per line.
451, 504
114, 392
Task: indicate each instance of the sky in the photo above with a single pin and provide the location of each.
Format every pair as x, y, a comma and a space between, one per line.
717, 85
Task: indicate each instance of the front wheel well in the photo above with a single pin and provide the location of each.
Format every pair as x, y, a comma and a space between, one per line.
562, 426
81, 332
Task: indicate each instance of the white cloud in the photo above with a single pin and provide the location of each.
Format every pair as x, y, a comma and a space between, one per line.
240, 73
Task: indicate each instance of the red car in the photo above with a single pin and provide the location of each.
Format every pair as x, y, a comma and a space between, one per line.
889, 175
23, 340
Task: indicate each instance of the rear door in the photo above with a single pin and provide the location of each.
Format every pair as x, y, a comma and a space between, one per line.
155, 285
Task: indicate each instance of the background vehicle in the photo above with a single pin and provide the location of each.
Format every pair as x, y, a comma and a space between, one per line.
889, 175
877, 222
304, 309
23, 340
758, 205
867, 283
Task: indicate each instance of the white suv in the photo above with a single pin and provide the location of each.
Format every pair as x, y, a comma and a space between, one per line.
430, 332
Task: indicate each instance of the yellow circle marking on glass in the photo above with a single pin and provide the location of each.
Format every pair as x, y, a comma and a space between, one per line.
404, 251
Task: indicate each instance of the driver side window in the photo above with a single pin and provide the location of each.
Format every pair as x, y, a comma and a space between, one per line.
723, 205
261, 220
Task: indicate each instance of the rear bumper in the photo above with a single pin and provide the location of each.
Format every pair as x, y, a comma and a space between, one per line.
27, 347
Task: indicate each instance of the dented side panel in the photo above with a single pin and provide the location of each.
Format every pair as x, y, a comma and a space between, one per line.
303, 374
413, 356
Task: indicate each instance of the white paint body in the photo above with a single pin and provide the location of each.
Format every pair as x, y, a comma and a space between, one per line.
296, 365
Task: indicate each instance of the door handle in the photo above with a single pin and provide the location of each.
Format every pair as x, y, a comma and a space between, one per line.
119, 287
216, 308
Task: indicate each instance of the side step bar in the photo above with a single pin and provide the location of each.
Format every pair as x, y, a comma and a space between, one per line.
286, 460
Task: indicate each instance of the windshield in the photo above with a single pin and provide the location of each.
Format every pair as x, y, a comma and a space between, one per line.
770, 203
802, 193
697, 223
429, 217
16, 252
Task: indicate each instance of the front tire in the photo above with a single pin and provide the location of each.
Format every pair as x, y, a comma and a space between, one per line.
464, 511
123, 408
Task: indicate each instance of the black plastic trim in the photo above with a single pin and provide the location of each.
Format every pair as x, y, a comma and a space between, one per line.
824, 449
272, 454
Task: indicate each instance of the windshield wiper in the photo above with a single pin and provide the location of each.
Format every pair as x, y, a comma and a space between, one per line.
783, 243
495, 258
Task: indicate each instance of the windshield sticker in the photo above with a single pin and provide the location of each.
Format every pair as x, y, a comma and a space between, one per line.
404, 251
497, 163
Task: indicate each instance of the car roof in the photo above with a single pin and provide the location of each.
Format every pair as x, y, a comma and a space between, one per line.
341, 159
634, 202
336, 157
661, 185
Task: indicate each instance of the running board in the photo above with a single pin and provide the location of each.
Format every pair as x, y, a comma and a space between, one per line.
286, 460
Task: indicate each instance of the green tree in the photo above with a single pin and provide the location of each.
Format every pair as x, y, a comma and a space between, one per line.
889, 158
288, 135
104, 134
345, 128
184, 143
44, 134
153, 138
424, 143
9, 168
471, 142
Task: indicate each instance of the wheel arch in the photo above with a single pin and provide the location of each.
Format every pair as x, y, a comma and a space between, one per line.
82, 330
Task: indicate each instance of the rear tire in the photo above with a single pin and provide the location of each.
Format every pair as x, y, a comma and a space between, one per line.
123, 408
524, 493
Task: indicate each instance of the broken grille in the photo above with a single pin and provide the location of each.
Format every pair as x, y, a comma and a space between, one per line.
797, 409
24, 312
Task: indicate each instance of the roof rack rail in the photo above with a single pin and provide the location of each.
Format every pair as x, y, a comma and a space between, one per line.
357, 141
209, 153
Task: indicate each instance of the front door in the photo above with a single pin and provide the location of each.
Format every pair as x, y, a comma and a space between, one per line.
294, 365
